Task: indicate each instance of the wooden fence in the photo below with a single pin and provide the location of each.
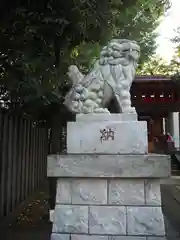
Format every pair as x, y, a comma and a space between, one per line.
23, 152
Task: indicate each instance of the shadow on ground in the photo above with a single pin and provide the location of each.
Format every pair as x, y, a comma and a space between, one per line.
32, 223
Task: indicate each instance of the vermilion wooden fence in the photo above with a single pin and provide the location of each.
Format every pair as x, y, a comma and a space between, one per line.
23, 156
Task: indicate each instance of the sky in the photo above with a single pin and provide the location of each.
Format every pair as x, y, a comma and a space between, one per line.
166, 31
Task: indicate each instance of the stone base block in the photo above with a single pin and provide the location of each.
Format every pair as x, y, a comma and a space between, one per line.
103, 202
109, 166
118, 207
98, 117
123, 192
115, 137
109, 220
99, 237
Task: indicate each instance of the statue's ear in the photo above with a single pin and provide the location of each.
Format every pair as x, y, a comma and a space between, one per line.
75, 75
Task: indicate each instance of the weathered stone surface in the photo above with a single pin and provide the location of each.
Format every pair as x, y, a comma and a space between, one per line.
128, 137
145, 221
89, 191
63, 194
107, 220
126, 192
156, 238
110, 166
126, 238
110, 78
103, 117
88, 237
152, 192
51, 215
55, 236
70, 219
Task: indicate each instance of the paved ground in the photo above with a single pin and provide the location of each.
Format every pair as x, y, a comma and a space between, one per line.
29, 235
32, 223
171, 209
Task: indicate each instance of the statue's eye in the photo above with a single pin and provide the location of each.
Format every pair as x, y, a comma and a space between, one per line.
125, 50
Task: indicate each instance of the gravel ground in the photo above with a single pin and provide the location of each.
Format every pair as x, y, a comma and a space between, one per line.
32, 223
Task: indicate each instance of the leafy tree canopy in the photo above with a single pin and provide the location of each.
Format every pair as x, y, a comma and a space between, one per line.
39, 41
157, 66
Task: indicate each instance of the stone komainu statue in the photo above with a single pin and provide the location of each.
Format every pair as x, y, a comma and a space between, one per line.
110, 79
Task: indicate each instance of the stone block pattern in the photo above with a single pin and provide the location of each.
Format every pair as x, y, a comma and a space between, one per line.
156, 238
145, 221
123, 192
109, 166
63, 192
153, 192
89, 192
70, 219
126, 192
126, 238
81, 191
88, 237
119, 209
107, 220
56, 236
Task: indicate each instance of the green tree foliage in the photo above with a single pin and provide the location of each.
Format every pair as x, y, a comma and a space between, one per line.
158, 66
39, 41
36, 43
139, 21
136, 20
176, 58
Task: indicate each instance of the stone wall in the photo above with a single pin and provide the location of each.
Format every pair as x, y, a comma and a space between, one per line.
108, 186
117, 207
97, 206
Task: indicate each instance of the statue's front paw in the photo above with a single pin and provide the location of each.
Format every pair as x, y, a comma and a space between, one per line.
101, 110
130, 110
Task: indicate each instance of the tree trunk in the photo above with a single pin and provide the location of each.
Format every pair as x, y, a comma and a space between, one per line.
55, 148
56, 133
58, 142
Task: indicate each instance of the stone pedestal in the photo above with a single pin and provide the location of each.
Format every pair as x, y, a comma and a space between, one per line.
108, 186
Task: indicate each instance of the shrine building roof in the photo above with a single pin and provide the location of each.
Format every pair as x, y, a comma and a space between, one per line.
152, 78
